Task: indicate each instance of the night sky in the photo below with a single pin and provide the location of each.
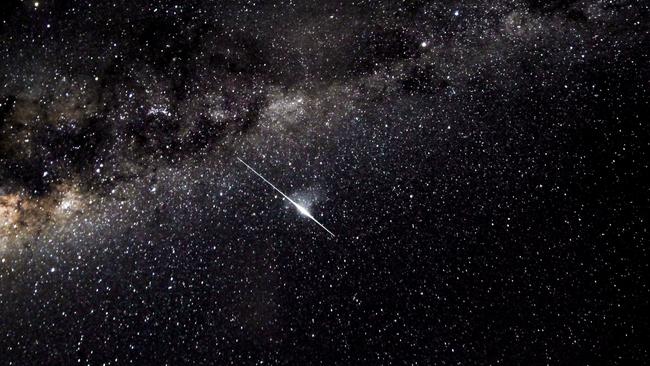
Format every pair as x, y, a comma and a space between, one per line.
455, 182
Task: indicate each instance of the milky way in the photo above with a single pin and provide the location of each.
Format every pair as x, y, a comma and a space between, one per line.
482, 163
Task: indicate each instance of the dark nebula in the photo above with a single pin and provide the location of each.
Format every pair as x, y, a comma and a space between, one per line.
482, 164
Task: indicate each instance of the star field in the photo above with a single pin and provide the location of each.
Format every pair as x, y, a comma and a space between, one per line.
482, 166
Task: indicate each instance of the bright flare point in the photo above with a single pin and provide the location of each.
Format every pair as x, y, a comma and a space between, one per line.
302, 210
299, 207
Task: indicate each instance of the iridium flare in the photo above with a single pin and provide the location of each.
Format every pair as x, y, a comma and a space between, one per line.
299, 207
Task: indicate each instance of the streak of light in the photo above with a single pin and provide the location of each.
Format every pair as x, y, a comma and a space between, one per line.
299, 207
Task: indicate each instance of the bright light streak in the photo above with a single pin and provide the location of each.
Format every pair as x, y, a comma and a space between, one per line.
299, 207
